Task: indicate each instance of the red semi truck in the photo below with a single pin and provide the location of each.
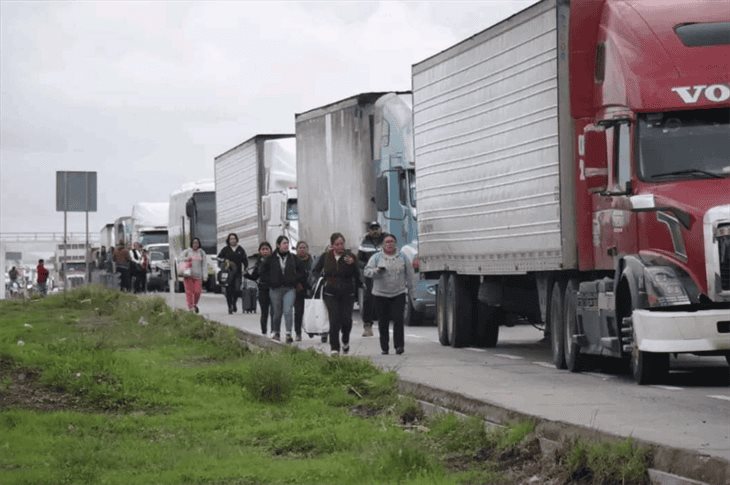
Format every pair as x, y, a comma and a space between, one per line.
574, 165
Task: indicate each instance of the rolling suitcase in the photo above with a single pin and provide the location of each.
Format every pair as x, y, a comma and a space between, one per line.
249, 296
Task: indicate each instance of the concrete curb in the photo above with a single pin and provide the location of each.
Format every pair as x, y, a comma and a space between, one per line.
671, 466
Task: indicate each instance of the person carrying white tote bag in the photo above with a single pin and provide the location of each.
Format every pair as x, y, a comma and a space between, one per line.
316, 319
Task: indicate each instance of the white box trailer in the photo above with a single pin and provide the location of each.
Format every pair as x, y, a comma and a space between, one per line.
489, 117
337, 177
150, 221
256, 195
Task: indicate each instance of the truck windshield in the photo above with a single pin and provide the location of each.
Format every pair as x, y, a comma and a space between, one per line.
684, 144
204, 227
159, 237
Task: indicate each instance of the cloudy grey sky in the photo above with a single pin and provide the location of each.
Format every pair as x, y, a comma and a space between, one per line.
147, 93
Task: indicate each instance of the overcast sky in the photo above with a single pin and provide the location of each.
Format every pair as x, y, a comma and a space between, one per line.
147, 93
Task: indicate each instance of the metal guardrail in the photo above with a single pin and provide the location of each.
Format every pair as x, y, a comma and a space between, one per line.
48, 237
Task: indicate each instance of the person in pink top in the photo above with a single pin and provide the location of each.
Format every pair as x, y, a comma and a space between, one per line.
193, 276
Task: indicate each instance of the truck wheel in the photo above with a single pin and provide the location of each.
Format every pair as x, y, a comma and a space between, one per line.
557, 326
411, 318
489, 319
441, 309
458, 311
573, 358
646, 367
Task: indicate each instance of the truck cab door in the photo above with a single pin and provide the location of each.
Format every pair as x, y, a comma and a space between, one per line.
614, 224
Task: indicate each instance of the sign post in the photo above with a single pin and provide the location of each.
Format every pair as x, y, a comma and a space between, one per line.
75, 192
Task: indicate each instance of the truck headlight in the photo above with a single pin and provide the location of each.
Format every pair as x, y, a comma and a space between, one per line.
663, 287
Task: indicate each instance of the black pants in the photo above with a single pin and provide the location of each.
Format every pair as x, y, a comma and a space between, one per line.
233, 290
367, 310
390, 310
265, 304
299, 311
140, 281
125, 280
339, 310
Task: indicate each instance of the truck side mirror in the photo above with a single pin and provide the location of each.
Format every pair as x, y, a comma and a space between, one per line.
593, 158
190, 207
381, 193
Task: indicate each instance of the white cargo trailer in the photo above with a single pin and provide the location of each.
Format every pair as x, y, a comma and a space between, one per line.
256, 195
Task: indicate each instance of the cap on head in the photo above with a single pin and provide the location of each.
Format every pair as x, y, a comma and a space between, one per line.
373, 225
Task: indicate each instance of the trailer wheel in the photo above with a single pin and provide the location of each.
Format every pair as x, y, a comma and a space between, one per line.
441, 309
557, 326
489, 319
573, 358
458, 311
646, 367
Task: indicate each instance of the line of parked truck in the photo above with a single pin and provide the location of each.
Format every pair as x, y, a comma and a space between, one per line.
573, 168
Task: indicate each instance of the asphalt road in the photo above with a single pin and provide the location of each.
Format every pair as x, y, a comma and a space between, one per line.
691, 410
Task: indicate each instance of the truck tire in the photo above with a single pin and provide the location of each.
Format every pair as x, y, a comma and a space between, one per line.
574, 360
488, 321
646, 367
557, 325
441, 309
458, 311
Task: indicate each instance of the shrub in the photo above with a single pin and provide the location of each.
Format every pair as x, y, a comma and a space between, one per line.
269, 378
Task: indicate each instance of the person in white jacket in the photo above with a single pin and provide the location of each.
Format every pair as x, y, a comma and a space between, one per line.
392, 274
194, 258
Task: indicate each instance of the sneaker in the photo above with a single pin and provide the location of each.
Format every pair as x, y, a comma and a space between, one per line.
399, 350
384, 352
367, 330
334, 352
196, 309
298, 338
324, 338
345, 349
289, 339
276, 336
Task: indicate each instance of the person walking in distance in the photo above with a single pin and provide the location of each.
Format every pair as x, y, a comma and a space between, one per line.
193, 282
121, 261
340, 270
263, 288
303, 288
370, 244
282, 271
392, 274
42, 277
135, 268
236, 262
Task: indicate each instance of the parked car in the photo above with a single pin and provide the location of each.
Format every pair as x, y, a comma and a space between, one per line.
158, 276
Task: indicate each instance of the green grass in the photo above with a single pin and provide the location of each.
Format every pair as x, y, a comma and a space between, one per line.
121, 390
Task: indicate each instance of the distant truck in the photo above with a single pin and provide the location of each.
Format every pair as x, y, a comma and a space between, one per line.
357, 155
192, 214
106, 236
149, 222
256, 194
573, 165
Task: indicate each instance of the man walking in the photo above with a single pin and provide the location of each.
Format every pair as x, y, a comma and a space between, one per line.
42, 278
371, 243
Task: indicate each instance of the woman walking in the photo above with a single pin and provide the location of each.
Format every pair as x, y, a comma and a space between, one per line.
263, 288
235, 262
392, 275
342, 279
282, 271
193, 282
304, 288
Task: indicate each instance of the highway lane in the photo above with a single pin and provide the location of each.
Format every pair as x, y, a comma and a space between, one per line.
691, 410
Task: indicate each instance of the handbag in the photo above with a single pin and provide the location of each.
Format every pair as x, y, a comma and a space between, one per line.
223, 276
185, 268
316, 319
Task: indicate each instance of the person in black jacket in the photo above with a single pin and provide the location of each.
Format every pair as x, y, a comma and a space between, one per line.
303, 289
263, 297
235, 261
282, 271
342, 280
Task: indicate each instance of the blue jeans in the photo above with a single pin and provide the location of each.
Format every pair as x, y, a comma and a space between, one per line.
282, 303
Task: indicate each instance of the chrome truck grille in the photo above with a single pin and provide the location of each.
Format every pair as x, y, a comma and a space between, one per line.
716, 228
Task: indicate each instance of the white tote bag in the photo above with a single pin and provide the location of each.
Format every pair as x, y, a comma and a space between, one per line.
316, 319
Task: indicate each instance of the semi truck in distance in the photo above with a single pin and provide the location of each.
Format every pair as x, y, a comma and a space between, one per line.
256, 193
149, 222
106, 236
574, 170
355, 160
192, 214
